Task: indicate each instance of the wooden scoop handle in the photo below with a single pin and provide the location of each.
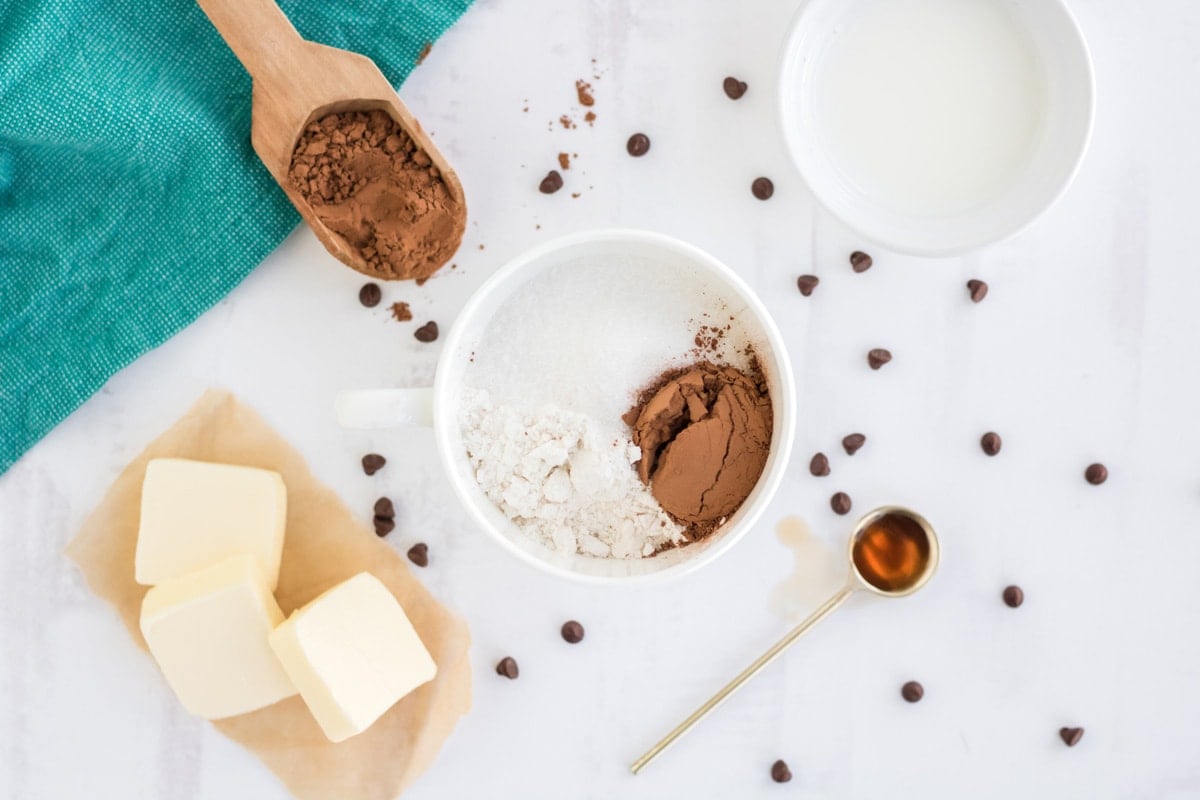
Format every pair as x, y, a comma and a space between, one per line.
260, 35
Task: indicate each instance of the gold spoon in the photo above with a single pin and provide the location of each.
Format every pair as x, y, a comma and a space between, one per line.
297, 82
893, 553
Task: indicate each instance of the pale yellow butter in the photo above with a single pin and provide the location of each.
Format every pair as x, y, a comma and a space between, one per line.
209, 630
195, 514
352, 653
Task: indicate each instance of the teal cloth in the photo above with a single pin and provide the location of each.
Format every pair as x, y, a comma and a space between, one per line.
130, 198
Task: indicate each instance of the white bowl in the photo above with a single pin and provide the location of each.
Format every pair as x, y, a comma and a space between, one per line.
1057, 145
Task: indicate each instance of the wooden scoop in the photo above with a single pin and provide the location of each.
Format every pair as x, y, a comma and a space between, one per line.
296, 82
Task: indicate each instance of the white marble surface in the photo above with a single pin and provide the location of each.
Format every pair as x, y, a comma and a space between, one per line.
1084, 350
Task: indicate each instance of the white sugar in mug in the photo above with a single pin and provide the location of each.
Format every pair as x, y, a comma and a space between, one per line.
436, 406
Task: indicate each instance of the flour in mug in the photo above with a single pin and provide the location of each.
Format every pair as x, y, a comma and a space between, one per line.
564, 478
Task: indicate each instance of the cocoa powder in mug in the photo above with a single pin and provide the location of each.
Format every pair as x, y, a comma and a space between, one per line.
368, 182
705, 432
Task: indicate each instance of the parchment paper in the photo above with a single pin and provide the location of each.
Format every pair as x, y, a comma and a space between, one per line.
323, 546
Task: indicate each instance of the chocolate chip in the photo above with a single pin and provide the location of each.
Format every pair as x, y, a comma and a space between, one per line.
372, 463
370, 295
508, 668
551, 183
978, 290
734, 89
912, 691
860, 261
853, 443
638, 145
1096, 474
990, 442
819, 466
419, 554
385, 517
572, 631
878, 357
780, 772
1070, 736
840, 503
1013, 596
762, 188
426, 333
807, 283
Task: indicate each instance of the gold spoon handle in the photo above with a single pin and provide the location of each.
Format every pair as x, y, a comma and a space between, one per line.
749, 672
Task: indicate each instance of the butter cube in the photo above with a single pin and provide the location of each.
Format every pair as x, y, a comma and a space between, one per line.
195, 514
352, 653
209, 630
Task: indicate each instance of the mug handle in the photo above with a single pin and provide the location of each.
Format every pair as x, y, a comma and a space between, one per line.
366, 409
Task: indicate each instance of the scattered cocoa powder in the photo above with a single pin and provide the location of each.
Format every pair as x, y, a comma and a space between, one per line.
369, 183
583, 90
586, 99
708, 339
401, 312
704, 431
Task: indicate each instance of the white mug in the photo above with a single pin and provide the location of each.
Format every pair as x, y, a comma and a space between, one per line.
437, 406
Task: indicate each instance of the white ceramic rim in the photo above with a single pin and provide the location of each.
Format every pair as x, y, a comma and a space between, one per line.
768, 483
784, 98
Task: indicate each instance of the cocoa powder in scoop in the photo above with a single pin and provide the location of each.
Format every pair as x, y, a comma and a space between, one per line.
704, 432
367, 180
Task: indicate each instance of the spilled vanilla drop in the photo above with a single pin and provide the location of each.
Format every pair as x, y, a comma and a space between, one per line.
817, 571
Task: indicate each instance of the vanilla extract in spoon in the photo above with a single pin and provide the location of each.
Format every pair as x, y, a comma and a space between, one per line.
893, 553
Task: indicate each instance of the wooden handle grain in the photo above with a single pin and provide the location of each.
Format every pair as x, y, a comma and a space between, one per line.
260, 35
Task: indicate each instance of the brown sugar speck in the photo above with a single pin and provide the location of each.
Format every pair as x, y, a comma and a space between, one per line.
564, 160
589, 118
566, 122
